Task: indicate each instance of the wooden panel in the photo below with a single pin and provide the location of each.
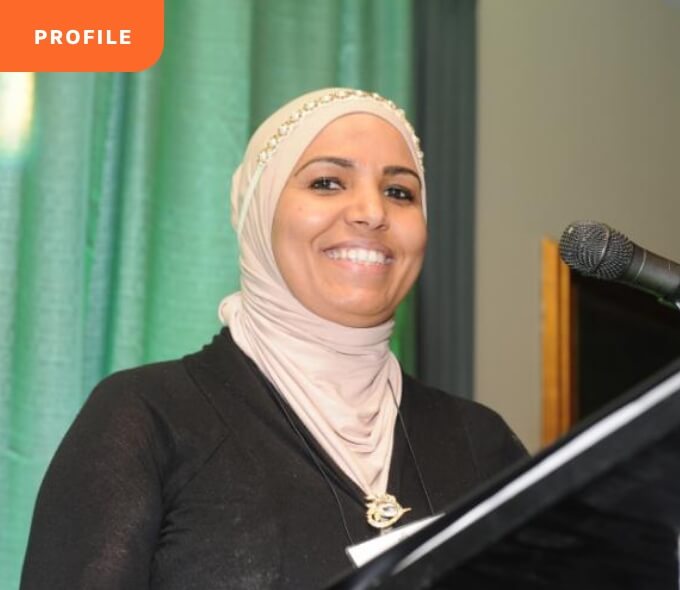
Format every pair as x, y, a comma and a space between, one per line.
557, 396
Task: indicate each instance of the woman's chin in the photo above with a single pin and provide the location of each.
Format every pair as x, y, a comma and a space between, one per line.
363, 315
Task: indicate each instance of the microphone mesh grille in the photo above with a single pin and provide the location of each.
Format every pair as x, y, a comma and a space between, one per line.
595, 249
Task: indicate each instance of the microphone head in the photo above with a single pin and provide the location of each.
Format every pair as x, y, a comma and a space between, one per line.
596, 250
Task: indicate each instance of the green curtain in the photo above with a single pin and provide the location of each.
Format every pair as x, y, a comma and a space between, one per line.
115, 241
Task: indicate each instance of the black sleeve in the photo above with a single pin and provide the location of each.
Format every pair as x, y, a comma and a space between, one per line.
99, 508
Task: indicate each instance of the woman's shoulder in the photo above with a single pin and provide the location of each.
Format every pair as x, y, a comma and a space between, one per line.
153, 416
157, 383
193, 393
161, 395
489, 437
149, 397
432, 400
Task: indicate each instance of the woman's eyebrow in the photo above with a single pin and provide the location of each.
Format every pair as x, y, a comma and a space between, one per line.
344, 162
395, 170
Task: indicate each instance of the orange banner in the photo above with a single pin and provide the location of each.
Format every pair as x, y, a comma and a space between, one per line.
80, 35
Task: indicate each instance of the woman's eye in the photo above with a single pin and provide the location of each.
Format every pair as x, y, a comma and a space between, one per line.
399, 193
326, 184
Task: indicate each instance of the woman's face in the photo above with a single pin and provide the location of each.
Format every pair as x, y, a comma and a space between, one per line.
349, 232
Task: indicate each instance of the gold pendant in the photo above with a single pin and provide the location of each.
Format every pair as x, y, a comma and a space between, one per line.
383, 510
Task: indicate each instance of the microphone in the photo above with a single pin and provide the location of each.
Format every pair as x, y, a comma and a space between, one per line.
594, 249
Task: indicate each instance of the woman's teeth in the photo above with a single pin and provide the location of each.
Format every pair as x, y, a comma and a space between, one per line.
359, 255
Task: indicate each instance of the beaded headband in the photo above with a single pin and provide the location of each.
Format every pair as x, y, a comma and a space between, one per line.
272, 144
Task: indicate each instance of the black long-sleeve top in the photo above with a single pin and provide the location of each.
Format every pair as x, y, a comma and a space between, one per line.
190, 475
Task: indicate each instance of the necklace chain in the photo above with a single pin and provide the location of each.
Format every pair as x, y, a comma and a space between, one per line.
382, 510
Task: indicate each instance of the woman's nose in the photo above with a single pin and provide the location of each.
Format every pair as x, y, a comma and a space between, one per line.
368, 209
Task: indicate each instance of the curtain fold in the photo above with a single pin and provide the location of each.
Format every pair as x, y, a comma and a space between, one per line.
115, 241
445, 55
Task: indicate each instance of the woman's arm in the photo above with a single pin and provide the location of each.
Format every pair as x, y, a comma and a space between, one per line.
99, 509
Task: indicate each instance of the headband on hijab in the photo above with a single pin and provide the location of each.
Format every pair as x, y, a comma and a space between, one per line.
314, 111
344, 383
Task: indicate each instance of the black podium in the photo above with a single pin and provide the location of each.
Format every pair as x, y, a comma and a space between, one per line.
598, 510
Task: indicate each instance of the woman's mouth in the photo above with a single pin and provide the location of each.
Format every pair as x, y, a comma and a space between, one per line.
360, 256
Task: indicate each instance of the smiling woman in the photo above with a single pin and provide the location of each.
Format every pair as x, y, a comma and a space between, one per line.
349, 230
255, 462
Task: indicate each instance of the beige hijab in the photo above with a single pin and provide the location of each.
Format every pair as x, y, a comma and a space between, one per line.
343, 383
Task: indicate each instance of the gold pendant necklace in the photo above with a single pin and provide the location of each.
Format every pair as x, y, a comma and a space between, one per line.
383, 510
